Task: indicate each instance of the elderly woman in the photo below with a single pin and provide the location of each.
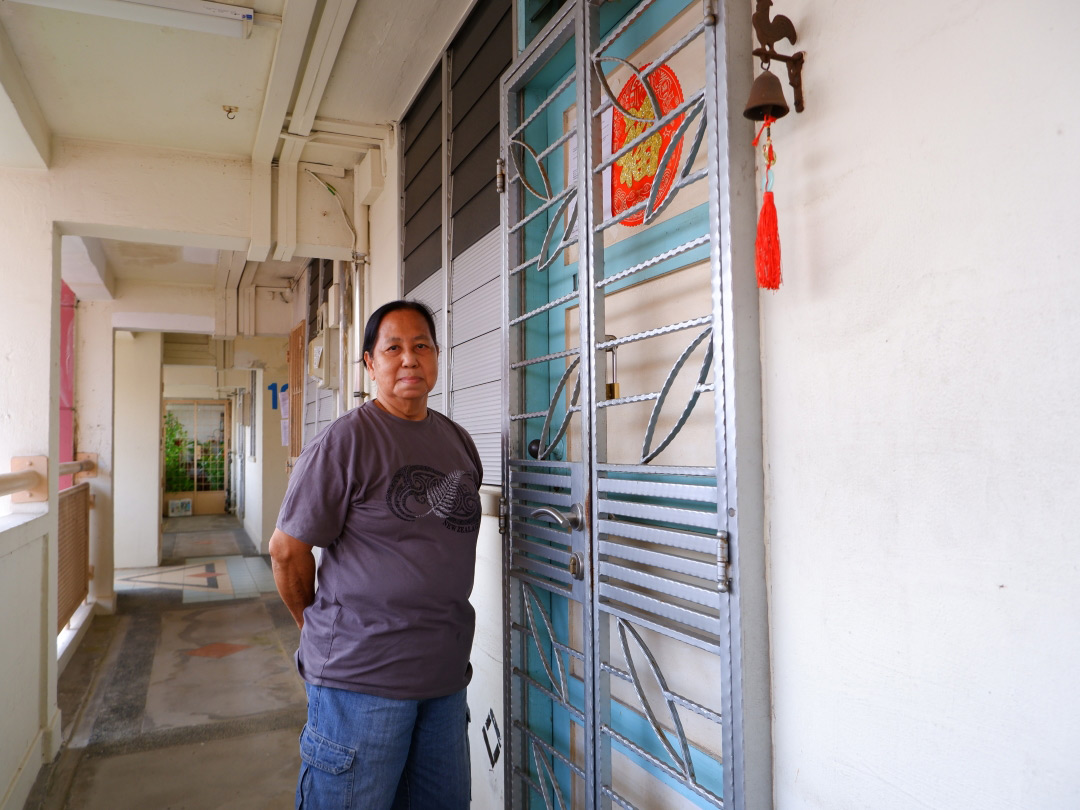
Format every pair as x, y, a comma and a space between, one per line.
390, 493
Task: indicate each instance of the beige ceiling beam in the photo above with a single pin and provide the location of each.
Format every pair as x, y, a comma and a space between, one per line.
245, 301
288, 175
324, 53
296, 22
261, 211
230, 268
24, 133
85, 269
288, 59
325, 46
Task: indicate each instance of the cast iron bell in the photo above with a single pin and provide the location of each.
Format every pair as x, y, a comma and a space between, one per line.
766, 98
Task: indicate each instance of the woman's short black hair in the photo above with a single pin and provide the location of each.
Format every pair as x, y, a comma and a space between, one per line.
371, 331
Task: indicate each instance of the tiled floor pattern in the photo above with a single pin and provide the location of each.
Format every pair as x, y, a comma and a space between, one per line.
204, 579
188, 697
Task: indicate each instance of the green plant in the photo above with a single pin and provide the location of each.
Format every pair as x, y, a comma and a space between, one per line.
211, 466
179, 456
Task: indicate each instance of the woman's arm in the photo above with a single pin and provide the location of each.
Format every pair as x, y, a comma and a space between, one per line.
294, 573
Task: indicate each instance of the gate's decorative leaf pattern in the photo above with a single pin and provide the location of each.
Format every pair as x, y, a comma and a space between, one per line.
546, 449
566, 206
683, 762
648, 453
546, 778
532, 608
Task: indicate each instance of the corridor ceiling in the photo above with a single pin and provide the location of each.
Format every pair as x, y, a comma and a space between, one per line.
336, 73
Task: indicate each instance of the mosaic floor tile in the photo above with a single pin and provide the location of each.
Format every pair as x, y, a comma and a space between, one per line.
218, 649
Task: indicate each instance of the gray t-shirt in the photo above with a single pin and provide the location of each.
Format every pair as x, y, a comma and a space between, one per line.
395, 505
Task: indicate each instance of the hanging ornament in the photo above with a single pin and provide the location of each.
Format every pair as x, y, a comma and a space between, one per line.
767, 246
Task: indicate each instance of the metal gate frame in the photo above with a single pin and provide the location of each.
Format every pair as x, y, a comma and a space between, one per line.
743, 627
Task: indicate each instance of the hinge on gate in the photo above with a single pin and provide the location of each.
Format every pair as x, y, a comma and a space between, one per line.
723, 581
504, 514
500, 175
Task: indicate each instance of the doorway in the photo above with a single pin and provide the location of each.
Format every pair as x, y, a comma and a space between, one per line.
195, 457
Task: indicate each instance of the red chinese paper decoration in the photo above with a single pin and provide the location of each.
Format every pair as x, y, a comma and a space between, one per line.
633, 174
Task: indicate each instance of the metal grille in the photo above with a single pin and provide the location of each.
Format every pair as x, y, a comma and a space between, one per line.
73, 552
618, 628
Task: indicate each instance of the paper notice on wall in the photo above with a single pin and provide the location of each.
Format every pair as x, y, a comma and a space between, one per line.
284, 432
284, 405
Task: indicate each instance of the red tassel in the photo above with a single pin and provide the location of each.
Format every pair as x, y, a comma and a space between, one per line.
767, 247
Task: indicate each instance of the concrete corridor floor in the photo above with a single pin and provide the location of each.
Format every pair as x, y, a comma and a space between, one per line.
187, 698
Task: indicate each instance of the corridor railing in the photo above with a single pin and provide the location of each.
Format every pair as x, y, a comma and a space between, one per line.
73, 552
29, 483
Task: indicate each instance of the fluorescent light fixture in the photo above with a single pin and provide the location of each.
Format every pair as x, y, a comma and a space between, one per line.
194, 15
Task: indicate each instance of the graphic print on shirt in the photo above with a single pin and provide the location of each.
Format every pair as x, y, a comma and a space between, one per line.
417, 491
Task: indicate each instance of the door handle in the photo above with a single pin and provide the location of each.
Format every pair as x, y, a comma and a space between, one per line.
574, 519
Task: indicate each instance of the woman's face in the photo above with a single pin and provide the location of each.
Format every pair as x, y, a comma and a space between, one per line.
404, 363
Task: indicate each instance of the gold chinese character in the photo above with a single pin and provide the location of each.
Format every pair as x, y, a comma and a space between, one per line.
644, 159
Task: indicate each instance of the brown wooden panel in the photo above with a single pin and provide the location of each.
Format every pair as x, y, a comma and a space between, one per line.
488, 65
475, 33
72, 552
425, 184
477, 123
427, 102
424, 223
428, 142
423, 261
475, 172
209, 503
475, 220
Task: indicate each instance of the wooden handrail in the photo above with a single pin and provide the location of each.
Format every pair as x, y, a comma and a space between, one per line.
28, 481
72, 467
21, 481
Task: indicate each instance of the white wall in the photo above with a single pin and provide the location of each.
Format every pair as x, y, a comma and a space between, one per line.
920, 389
29, 426
137, 450
24, 672
486, 688
189, 382
266, 474
93, 434
384, 216
253, 459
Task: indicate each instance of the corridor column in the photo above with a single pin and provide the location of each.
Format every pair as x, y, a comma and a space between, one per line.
29, 426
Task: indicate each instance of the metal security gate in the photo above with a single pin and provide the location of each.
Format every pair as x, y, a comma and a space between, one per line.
622, 647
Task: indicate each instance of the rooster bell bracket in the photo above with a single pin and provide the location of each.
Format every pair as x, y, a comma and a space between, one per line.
767, 104
767, 95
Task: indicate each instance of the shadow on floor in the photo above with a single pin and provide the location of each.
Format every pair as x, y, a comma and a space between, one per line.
179, 701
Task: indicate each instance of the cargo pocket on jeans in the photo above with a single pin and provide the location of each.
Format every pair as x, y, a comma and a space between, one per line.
326, 776
325, 754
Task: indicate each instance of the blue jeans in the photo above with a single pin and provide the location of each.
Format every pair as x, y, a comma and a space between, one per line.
359, 751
